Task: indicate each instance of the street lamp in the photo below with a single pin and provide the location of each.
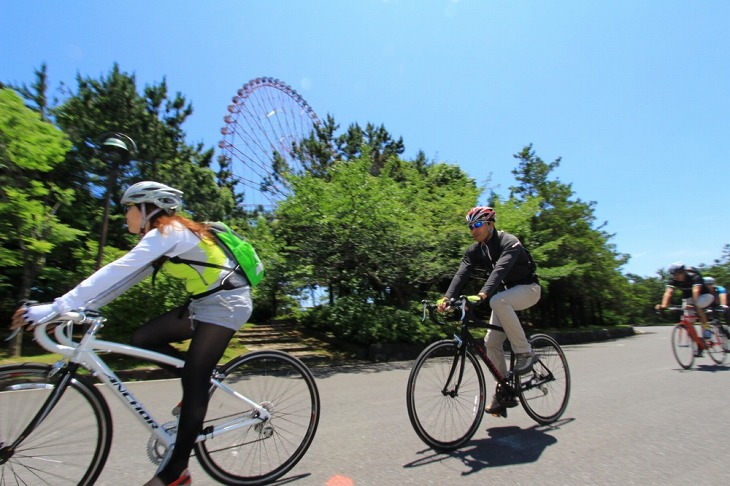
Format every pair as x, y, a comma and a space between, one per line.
117, 149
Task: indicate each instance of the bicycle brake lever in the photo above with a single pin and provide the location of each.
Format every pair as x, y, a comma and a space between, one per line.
12, 334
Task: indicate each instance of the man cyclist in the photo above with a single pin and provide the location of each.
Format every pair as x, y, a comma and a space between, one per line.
512, 285
694, 291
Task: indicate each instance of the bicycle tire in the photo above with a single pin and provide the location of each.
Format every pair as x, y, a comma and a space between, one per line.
69, 446
544, 392
445, 420
724, 337
247, 456
716, 345
683, 346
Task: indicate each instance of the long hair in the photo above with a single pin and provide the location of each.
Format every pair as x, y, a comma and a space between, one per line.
162, 220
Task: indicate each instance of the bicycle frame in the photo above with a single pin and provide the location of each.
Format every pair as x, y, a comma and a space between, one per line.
84, 354
689, 321
465, 337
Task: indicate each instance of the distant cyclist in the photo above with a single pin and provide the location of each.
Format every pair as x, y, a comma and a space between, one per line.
512, 285
720, 294
694, 291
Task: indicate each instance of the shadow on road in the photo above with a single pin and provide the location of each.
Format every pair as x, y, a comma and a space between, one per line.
505, 446
291, 479
711, 368
359, 367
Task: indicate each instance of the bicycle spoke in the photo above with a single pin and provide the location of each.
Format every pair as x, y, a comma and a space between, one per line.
264, 451
442, 418
544, 391
69, 446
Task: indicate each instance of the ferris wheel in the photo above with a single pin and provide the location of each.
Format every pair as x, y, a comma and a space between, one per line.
264, 127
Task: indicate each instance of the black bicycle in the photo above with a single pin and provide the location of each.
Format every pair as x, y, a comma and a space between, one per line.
447, 391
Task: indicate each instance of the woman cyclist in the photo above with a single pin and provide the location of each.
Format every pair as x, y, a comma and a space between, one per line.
219, 306
512, 285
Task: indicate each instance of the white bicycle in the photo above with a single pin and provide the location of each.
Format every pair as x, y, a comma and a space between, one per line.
56, 427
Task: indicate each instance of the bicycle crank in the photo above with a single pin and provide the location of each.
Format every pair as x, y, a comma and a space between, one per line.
156, 450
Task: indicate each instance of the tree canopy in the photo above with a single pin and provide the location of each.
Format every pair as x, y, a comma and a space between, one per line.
373, 230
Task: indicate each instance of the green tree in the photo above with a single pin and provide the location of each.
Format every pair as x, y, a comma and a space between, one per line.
154, 120
29, 149
37, 93
378, 240
584, 284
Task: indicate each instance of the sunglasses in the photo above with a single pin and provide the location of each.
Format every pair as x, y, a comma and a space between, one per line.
478, 224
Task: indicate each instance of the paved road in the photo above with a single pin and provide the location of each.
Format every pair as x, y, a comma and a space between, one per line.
634, 418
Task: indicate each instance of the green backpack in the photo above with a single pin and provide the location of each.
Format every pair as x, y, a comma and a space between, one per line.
236, 247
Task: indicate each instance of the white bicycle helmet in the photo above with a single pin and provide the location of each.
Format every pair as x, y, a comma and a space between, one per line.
164, 197
676, 267
709, 280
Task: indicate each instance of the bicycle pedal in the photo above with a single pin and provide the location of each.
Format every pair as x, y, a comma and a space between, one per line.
497, 411
500, 413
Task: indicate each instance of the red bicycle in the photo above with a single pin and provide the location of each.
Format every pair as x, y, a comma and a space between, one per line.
687, 343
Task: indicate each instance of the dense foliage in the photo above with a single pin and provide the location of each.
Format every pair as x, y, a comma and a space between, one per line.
364, 234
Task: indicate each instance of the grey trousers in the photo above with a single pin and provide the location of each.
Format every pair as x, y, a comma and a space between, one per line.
504, 304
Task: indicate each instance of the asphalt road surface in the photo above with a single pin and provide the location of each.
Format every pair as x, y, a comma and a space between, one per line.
634, 417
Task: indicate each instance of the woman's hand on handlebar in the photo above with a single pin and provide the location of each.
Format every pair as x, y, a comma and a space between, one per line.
18, 319
29, 315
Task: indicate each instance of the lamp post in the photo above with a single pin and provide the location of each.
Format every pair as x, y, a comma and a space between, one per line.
117, 149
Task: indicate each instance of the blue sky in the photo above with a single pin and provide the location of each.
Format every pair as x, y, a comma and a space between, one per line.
633, 95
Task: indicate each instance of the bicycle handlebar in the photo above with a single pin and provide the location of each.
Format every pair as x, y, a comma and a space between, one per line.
63, 343
455, 305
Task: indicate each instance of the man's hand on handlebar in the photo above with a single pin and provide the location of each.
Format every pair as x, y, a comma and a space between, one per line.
476, 300
443, 304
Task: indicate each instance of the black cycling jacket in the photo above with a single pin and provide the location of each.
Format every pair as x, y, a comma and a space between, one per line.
504, 257
694, 277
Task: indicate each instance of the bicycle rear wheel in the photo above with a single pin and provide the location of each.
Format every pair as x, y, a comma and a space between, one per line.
445, 410
69, 446
716, 345
263, 452
683, 346
544, 391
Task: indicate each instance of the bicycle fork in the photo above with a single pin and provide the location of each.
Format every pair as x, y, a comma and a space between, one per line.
460, 361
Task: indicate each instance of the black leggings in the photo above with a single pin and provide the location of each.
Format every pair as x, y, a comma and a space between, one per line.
207, 345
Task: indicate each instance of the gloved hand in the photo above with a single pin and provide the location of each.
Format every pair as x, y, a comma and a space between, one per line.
29, 315
443, 303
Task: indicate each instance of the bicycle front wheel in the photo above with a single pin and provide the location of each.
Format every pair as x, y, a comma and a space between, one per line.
545, 390
716, 345
445, 396
683, 346
69, 446
265, 451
